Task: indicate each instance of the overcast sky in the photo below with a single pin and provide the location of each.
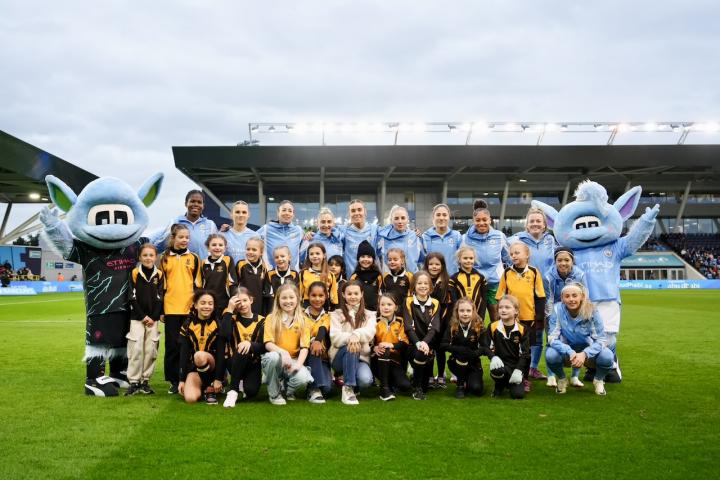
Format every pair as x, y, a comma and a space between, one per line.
111, 86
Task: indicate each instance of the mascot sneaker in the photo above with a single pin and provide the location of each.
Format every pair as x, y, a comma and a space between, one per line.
120, 381
101, 387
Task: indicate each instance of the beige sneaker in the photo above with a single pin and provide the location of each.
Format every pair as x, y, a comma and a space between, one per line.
348, 396
575, 382
562, 384
599, 387
552, 381
279, 400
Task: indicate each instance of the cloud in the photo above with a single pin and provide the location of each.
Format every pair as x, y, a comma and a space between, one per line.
113, 86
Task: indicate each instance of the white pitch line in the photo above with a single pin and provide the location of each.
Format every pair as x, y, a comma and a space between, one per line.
39, 301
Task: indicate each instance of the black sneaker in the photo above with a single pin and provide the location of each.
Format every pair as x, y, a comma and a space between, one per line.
418, 394
173, 390
496, 393
460, 392
145, 388
441, 382
211, 398
133, 389
386, 395
100, 387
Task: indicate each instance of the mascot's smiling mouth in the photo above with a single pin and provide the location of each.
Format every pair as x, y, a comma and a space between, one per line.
110, 240
589, 240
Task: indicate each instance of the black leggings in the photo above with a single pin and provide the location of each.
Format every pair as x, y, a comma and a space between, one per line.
517, 390
172, 347
245, 368
469, 375
422, 366
390, 373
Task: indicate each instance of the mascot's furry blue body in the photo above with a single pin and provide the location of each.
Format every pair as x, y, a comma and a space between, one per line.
592, 227
102, 232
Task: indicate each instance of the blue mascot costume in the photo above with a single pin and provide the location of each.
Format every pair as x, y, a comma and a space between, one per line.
592, 227
102, 232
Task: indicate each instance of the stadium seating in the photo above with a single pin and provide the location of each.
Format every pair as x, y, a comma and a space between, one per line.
699, 250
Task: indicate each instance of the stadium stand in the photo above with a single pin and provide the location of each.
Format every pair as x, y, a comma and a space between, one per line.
699, 250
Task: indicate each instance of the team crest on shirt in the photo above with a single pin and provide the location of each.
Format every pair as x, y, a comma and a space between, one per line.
607, 252
154, 280
492, 241
516, 339
451, 242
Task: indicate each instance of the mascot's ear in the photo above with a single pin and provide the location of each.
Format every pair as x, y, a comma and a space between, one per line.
150, 190
628, 202
60, 194
550, 213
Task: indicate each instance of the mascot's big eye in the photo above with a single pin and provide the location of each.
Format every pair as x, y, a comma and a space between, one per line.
110, 214
588, 221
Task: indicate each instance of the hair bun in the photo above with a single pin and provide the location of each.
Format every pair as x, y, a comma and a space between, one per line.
480, 203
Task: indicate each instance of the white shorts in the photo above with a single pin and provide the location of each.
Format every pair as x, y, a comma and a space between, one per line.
609, 311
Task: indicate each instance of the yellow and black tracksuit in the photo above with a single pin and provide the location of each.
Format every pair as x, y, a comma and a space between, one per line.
465, 347
147, 289
390, 368
527, 286
308, 276
442, 294
422, 322
274, 279
197, 335
252, 276
246, 367
181, 269
470, 284
372, 281
512, 345
218, 276
398, 284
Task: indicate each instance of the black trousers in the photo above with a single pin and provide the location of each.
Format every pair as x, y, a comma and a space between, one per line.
422, 366
245, 368
517, 390
172, 347
469, 375
390, 373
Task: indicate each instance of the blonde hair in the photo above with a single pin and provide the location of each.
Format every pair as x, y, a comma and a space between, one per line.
524, 245
463, 249
325, 211
585, 312
281, 247
275, 318
534, 211
475, 322
258, 240
393, 209
513, 301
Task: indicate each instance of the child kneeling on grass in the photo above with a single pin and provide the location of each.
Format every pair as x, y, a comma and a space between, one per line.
243, 330
287, 339
507, 344
147, 287
462, 339
577, 337
202, 352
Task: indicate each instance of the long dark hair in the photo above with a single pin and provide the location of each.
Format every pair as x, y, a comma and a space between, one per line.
324, 272
360, 315
444, 277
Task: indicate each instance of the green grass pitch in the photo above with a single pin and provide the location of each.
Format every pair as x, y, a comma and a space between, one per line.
662, 422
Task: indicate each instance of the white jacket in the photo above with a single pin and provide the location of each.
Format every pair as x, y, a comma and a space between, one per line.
340, 332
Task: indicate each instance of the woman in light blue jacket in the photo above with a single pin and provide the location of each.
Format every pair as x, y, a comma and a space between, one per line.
282, 232
398, 235
441, 239
328, 234
491, 251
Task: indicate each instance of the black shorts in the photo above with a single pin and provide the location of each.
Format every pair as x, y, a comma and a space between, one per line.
109, 329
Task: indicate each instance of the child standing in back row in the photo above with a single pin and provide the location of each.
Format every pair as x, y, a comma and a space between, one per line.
279, 276
218, 270
146, 302
398, 280
316, 269
368, 273
250, 272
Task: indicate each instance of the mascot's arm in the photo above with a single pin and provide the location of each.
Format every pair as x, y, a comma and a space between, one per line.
57, 231
640, 231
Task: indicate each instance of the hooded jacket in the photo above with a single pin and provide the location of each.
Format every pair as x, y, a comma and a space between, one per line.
407, 241
491, 252
447, 245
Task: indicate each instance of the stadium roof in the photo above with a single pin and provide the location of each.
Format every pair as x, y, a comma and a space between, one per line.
23, 168
228, 170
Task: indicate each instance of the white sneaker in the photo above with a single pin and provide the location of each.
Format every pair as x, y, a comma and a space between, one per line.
348, 396
279, 400
316, 397
290, 396
599, 387
562, 384
230, 399
575, 382
552, 381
